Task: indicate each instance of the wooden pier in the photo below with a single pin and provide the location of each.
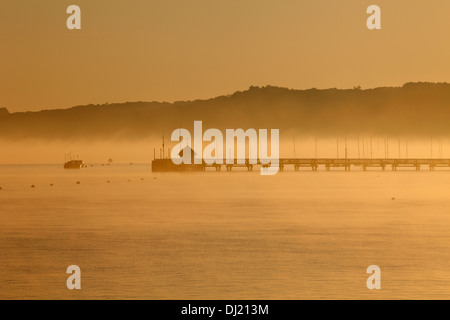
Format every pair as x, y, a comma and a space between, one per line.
164, 165
348, 164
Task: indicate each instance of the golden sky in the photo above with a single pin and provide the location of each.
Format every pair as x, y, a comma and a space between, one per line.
167, 50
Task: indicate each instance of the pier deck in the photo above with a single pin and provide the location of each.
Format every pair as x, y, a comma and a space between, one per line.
162, 165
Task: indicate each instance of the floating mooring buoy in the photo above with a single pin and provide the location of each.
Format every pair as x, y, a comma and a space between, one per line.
33, 186
78, 182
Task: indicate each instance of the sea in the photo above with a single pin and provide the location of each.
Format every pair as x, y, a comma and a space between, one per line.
223, 235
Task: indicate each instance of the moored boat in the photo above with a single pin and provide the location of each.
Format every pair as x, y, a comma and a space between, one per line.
71, 163
74, 164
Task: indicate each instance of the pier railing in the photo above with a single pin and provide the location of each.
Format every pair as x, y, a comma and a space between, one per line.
328, 163
312, 163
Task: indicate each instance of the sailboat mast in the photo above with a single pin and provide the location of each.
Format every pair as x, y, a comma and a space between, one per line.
163, 145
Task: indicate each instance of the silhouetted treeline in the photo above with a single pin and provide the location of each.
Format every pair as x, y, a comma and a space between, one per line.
414, 109
3, 112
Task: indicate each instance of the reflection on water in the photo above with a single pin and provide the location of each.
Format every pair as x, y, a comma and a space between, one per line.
222, 235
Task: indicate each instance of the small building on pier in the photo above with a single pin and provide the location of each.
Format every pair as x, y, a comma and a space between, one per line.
167, 165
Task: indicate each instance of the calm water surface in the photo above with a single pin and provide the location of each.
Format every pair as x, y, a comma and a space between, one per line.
222, 235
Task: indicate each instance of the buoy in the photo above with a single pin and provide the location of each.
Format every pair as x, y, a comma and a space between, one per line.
129, 180
108, 181
0, 188
393, 198
51, 184
78, 182
142, 179
33, 186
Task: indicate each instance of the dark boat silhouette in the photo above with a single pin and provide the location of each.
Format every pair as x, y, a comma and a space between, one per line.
74, 164
71, 163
